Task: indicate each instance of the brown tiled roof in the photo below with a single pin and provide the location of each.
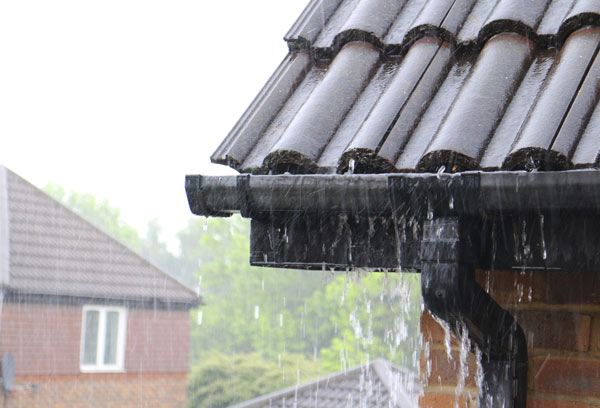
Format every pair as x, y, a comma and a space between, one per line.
414, 85
378, 384
53, 251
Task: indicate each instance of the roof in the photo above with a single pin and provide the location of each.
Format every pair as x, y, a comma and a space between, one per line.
376, 384
50, 250
373, 86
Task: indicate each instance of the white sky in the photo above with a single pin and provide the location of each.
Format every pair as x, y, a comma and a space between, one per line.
123, 98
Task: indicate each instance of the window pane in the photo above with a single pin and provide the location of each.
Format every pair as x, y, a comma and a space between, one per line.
110, 344
90, 344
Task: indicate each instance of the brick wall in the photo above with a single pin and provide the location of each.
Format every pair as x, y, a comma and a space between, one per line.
157, 341
44, 340
560, 315
99, 390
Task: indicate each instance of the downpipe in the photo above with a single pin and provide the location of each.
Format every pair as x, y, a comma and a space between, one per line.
451, 293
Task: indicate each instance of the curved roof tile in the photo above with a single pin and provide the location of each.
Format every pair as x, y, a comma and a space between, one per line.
407, 85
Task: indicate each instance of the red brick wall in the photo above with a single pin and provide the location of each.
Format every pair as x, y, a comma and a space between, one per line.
99, 390
157, 341
45, 343
43, 339
560, 314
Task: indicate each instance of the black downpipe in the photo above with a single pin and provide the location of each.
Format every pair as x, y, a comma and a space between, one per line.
451, 293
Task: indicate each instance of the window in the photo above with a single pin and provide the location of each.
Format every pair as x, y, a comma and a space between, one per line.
103, 338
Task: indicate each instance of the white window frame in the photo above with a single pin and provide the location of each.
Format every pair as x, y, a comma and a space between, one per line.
100, 343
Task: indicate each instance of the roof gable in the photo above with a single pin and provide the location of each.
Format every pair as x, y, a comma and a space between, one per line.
54, 251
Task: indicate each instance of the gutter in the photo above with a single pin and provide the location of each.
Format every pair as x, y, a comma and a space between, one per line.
472, 193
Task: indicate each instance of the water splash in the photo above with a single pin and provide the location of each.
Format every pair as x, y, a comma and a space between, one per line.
479, 369
447, 341
463, 372
351, 164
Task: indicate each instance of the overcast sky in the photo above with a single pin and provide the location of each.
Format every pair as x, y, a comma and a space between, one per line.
122, 98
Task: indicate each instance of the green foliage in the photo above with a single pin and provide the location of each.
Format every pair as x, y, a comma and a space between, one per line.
233, 291
222, 380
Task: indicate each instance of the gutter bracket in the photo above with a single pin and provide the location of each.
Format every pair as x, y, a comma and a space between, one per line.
451, 293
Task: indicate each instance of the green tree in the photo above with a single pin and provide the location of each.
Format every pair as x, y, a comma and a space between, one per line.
247, 309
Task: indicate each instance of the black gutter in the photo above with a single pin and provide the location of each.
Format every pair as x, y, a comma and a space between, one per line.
471, 193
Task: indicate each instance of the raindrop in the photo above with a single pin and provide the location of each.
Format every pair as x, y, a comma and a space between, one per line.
199, 321
263, 285
544, 252
343, 360
532, 167
256, 311
520, 291
494, 248
205, 226
451, 203
280, 319
351, 165
429, 211
279, 360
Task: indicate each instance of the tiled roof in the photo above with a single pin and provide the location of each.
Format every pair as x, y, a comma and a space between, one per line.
378, 384
414, 85
53, 251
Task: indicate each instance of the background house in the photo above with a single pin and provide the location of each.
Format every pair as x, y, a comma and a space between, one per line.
88, 321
